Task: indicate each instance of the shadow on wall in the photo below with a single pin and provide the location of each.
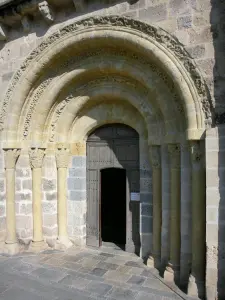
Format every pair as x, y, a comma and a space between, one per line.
217, 19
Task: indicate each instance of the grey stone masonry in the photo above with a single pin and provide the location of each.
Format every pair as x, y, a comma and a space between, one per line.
77, 194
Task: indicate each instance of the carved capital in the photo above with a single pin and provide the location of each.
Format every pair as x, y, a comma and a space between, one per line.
46, 11
174, 151
36, 157
155, 157
11, 156
62, 157
196, 153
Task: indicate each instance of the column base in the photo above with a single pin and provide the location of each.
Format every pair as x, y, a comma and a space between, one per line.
63, 243
151, 262
169, 274
195, 288
11, 249
37, 247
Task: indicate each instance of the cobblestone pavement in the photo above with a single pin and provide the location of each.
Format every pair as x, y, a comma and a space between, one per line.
80, 274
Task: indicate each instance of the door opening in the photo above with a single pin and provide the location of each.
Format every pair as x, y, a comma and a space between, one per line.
113, 206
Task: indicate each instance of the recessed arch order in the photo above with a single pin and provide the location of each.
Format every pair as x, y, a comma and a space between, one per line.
133, 55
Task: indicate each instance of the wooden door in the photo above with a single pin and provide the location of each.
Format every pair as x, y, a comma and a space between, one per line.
112, 146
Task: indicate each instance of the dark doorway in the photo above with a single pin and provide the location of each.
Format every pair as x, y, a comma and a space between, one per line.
113, 206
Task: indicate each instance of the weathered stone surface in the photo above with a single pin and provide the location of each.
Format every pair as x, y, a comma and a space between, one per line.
198, 25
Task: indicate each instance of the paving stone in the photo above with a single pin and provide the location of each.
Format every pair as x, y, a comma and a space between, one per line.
121, 294
19, 294
74, 281
117, 276
136, 280
98, 272
156, 284
89, 262
71, 266
135, 271
98, 288
25, 278
134, 264
49, 274
25, 268
147, 273
106, 254
4, 287
107, 266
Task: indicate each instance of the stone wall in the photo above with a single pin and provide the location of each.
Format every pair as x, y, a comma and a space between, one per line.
189, 21
198, 27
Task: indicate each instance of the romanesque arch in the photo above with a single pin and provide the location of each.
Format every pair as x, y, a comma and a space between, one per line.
106, 70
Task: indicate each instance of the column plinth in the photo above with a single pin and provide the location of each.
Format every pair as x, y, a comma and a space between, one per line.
36, 160
62, 160
154, 260
11, 246
196, 285
171, 273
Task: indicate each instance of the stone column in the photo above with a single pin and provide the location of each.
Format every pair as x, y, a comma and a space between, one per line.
36, 161
197, 277
171, 273
62, 160
11, 242
155, 157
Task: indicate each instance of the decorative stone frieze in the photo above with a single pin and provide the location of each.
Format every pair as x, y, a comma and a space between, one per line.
11, 156
155, 157
46, 11
174, 151
62, 157
36, 157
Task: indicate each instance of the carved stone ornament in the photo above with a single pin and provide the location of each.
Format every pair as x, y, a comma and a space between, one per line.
62, 157
146, 30
174, 151
46, 11
2, 33
11, 156
196, 153
155, 156
36, 157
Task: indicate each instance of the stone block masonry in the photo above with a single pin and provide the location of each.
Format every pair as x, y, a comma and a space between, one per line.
77, 196
89, 69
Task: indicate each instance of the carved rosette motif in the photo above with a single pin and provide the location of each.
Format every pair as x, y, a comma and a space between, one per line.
36, 157
11, 156
157, 34
155, 157
62, 157
174, 152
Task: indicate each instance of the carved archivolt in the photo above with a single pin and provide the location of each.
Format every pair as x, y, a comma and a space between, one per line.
119, 27
152, 77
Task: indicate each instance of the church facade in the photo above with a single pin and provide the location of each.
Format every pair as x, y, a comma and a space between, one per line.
112, 131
